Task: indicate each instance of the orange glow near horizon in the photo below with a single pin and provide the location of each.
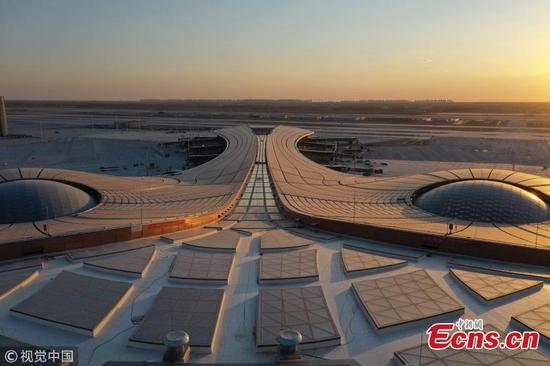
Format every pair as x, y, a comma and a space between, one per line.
495, 50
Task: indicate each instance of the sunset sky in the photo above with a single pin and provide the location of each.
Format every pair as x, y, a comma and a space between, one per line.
465, 50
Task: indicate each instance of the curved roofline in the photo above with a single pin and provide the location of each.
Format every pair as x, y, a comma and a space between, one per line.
381, 208
134, 207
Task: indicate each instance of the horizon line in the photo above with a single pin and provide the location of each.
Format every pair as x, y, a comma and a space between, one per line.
179, 100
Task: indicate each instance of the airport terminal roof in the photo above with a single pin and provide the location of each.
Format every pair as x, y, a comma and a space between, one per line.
385, 205
75, 302
363, 299
207, 189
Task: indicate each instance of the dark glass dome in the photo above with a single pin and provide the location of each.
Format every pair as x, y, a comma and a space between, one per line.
29, 200
484, 200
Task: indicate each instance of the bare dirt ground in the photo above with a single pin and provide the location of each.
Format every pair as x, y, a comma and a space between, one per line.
64, 137
460, 149
110, 152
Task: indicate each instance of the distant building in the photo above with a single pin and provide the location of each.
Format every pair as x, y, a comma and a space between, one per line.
3, 118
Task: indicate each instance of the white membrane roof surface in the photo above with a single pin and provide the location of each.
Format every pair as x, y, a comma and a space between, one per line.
359, 339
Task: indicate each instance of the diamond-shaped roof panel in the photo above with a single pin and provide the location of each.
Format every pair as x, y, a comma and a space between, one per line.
357, 261
302, 309
423, 355
404, 298
296, 265
132, 263
193, 265
81, 303
491, 286
193, 310
536, 319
